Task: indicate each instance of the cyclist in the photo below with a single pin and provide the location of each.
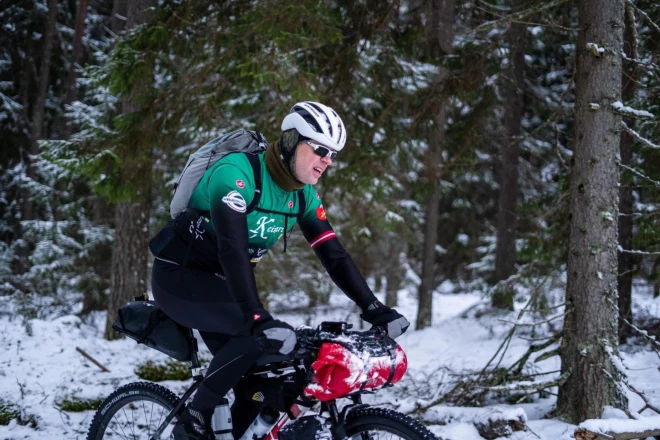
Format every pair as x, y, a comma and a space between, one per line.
203, 272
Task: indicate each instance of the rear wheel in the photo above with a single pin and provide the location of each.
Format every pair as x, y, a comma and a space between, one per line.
384, 424
134, 411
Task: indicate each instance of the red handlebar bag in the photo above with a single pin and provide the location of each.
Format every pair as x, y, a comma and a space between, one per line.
343, 369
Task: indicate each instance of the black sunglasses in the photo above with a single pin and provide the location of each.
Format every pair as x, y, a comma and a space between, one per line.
322, 151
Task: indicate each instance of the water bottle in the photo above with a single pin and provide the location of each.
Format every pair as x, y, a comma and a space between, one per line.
262, 424
221, 421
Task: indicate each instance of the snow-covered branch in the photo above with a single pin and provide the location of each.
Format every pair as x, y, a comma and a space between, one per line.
645, 15
636, 252
624, 110
638, 136
490, 423
519, 16
640, 174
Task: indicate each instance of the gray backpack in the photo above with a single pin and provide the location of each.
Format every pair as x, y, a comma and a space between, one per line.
244, 141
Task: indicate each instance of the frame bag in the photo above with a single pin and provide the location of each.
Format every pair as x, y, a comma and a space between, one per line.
149, 325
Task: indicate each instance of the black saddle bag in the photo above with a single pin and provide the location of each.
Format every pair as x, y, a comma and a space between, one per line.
149, 325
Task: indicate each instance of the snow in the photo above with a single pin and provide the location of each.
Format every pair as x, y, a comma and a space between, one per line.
618, 106
40, 365
618, 426
595, 49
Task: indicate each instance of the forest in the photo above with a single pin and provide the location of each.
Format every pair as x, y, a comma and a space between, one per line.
499, 179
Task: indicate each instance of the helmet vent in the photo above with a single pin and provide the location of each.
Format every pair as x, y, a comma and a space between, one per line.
311, 121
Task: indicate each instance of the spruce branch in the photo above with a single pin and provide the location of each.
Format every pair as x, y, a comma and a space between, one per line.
635, 252
639, 173
644, 14
639, 137
519, 16
630, 112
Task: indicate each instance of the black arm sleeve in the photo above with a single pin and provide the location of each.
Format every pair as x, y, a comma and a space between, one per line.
232, 232
340, 266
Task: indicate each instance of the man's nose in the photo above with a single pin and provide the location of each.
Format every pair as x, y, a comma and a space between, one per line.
326, 160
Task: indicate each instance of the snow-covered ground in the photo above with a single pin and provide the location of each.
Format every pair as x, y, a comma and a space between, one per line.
40, 366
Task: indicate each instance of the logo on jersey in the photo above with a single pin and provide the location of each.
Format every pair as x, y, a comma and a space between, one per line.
290, 204
196, 229
240, 184
320, 213
235, 201
263, 228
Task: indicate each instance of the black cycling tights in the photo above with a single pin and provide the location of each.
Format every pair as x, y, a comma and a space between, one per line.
202, 301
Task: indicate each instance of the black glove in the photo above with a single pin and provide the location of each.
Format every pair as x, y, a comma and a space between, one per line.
275, 336
378, 314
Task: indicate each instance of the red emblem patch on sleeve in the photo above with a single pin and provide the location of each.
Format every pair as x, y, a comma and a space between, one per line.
240, 184
290, 204
320, 213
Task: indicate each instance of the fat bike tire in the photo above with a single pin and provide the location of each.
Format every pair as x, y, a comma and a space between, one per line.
133, 411
373, 423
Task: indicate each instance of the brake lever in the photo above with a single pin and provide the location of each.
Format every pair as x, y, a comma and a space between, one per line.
378, 331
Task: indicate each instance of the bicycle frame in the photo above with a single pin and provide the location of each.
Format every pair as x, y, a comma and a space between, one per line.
338, 419
198, 377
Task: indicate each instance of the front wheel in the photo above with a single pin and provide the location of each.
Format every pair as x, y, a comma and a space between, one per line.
133, 411
384, 424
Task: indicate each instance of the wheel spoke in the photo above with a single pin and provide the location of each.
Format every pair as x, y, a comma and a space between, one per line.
141, 424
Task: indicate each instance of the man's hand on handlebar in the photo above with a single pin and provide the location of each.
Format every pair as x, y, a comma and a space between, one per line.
275, 336
379, 315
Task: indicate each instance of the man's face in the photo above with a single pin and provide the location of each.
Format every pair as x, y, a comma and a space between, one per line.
309, 166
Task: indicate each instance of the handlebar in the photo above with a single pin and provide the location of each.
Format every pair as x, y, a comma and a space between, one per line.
337, 331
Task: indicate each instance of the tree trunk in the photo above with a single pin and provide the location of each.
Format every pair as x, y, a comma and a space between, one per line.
590, 343
439, 39
507, 219
76, 55
396, 270
626, 260
431, 216
129, 258
40, 104
129, 272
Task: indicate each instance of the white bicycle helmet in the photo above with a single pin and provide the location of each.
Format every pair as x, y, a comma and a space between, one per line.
317, 122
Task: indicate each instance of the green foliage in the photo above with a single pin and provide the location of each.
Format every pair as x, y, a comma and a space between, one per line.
10, 411
199, 69
160, 371
74, 403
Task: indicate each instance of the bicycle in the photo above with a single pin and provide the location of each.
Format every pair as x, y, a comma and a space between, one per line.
145, 410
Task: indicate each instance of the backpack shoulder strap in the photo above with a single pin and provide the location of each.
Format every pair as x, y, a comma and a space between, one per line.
302, 203
256, 169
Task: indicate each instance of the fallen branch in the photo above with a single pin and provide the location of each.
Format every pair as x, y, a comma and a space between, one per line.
491, 422
520, 363
644, 398
618, 429
530, 385
94, 361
